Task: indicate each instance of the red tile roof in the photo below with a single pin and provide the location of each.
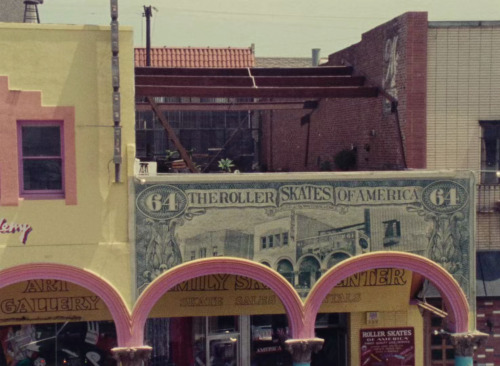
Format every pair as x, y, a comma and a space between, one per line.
196, 57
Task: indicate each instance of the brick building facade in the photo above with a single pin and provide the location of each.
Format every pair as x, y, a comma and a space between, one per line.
397, 64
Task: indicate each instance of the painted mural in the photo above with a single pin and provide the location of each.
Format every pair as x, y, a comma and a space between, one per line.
303, 227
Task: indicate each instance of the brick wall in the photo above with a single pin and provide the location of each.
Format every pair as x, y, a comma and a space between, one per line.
488, 321
463, 88
392, 57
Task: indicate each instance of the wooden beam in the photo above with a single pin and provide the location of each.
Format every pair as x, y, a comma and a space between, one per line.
275, 71
308, 81
172, 136
247, 92
247, 81
251, 106
174, 80
181, 71
302, 71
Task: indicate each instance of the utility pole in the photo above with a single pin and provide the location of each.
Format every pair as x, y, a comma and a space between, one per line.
148, 13
115, 81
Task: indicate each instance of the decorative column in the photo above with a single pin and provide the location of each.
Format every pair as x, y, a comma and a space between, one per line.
465, 344
132, 356
295, 278
301, 349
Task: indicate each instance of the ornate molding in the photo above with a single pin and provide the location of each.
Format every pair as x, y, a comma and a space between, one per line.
132, 356
301, 349
466, 343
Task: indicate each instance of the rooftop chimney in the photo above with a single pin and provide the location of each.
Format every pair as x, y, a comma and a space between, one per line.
315, 56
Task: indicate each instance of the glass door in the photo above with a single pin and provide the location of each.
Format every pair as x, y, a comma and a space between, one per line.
223, 349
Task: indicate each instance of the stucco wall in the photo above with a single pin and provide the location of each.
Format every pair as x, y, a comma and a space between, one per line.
70, 66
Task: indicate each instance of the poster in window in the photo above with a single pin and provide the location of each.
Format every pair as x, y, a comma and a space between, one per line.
387, 347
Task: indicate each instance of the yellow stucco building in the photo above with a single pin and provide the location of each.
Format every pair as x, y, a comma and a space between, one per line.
62, 74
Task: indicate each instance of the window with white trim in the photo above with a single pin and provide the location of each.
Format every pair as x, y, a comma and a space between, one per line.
490, 151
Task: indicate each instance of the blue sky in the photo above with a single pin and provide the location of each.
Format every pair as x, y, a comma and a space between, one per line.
287, 28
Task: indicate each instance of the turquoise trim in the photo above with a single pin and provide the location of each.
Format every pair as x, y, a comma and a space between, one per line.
301, 364
463, 361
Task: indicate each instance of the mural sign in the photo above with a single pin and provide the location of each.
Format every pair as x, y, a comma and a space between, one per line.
218, 295
49, 301
387, 347
224, 294
303, 225
369, 291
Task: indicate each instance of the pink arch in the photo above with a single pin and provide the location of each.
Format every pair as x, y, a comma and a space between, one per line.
281, 287
442, 279
81, 277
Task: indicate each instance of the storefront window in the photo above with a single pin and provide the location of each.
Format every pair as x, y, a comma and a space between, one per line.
333, 329
268, 334
256, 340
441, 351
59, 344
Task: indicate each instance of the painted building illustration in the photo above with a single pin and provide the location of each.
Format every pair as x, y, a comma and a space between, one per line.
301, 248
229, 243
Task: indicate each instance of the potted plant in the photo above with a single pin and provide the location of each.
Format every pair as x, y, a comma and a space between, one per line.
225, 165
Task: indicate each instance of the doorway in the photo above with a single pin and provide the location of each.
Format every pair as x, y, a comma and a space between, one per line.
245, 340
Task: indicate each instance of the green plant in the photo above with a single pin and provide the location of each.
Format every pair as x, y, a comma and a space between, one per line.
326, 166
172, 154
225, 165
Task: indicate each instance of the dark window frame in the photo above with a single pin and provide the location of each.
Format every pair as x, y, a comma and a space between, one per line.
490, 151
47, 193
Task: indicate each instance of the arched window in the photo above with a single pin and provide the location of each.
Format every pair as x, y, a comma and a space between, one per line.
309, 272
337, 258
285, 268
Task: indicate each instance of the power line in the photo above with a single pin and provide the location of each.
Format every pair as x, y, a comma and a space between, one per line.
273, 14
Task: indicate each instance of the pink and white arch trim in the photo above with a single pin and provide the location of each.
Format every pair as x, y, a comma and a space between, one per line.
89, 280
301, 316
